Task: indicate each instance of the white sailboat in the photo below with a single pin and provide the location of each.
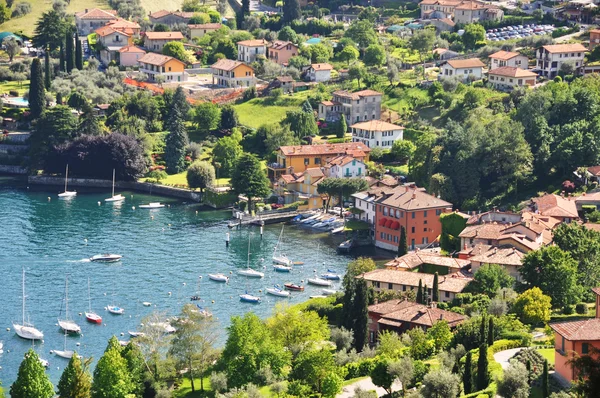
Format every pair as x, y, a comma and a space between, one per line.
281, 258
276, 291
319, 281
67, 193
152, 205
26, 330
218, 277
114, 198
64, 353
106, 258
67, 324
90, 315
249, 272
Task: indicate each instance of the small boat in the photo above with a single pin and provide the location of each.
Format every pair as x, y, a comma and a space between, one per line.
275, 291
218, 277
152, 205
281, 268
25, 329
250, 273
123, 343
67, 193
106, 258
307, 220
331, 275
195, 298
338, 230
163, 326
294, 287
113, 309
297, 218
67, 324
44, 362
346, 245
1, 347
280, 258
146, 304
67, 354
248, 298
328, 292
319, 282
136, 334
114, 198
91, 316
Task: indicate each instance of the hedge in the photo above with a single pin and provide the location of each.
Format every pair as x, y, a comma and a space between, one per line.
218, 199
361, 368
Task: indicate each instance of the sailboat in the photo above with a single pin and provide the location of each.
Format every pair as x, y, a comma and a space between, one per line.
91, 316
66, 193
249, 272
277, 291
67, 324
114, 198
68, 354
281, 258
26, 330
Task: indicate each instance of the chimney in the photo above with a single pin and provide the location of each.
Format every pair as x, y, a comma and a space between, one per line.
441, 316
86, 10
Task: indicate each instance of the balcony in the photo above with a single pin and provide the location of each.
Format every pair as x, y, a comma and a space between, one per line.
276, 166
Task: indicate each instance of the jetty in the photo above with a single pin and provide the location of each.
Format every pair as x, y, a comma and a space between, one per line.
265, 217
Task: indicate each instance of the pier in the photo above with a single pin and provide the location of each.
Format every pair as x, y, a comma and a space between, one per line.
266, 217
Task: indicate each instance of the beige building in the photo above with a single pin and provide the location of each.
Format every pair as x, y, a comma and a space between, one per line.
460, 11
170, 17
462, 68
549, 59
359, 106
248, 50
203, 29
508, 58
130, 55
507, 257
377, 133
319, 72
509, 77
155, 41
89, 20
233, 74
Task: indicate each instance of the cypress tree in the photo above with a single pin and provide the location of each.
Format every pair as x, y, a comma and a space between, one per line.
490, 338
483, 377
306, 107
76, 380
78, 53
545, 381
37, 92
341, 128
32, 380
178, 108
69, 53
482, 334
361, 314
61, 58
425, 295
468, 374
175, 145
528, 366
436, 289
420, 292
402, 246
59, 98
291, 11
47, 74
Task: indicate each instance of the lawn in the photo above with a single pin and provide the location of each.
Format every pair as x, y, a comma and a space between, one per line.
547, 353
181, 181
406, 55
185, 390
21, 88
260, 111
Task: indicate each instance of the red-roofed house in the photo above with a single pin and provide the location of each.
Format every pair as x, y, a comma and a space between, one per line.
302, 187
89, 20
202, 29
233, 74
281, 51
358, 106
561, 208
155, 41
345, 166
551, 57
158, 66
575, 338
111, 41
170, 17
130, 55
509, 77
248, 50
319, 72
462, 68
508, 58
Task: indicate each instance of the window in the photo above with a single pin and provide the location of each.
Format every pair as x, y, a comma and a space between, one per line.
425, 222
372, 337
306, 161
317, 160
397, 213
425, 213
424, 229
377, 284
584, 348
412, 244
412, 230
390, 286
562, 345
385, 212
403, 288
413, 214
446, 294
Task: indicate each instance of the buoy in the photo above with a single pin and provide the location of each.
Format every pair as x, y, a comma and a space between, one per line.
49, 199
80, 314
85, 240
98, 203
105, 294
169, 206
169, 225
152, 217
122, 334
226, 239
196, 212
56, 324
169, 293
131, 196
260, 290
132, 207
230, 272
8, 329
78, 344
213, 301
200, 277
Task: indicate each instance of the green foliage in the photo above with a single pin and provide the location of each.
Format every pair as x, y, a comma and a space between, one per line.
362, 33
380, 375
249, 179
291, 11
581, 308
200, 174
421, 346
341, 127
533, 307
301, 123
374, 55
111, 376
69, 50
49, 30
473, 33
588, 368
419, 298
467, 377
348, 54
312, 367
403, 150
583, 245
332, 384
435, 288
514, 383
452, 225
229, 117
37, 90
545, 381
176, 50
296, 329
176, 142
440, 334
483, 377
402, 244
56, 126
78, 53
32, 381
76, 380
226, 152
207, 117
341, 187
389, 344
441, 383
490, 278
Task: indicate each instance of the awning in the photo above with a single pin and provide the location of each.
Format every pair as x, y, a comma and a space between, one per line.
389, 223
382, 221
396, 225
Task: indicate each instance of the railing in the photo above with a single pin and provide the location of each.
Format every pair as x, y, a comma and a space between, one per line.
276, 165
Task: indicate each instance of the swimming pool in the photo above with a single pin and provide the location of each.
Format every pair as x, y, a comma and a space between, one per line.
15, 102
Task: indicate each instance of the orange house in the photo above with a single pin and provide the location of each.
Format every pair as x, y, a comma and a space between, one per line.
281, 51
594, 38
162, 67
575, 337
233, 74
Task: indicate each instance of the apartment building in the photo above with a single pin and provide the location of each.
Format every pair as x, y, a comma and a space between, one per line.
233, 74
358, 106
248, 50
508, 58
377, 133
550, 58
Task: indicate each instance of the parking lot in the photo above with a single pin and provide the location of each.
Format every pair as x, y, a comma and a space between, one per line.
518, 32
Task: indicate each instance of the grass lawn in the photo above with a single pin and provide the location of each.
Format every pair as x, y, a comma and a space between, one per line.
180, 180
407, 55
547, 353
259, 111
21, 88
186, 389
356, 225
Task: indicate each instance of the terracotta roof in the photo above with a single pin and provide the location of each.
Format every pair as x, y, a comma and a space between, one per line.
416, 259
357, 95
504, 55
206, 26
555, 206
585, 330
252, 43
324, 66
594, 170
325, 149
131, 49
316, 175
184, 14
160, 14
441, 2
518, 239
423, 315
483, 231
493, 215
471, 5
286, 79
595, 31
280, 44
466, 63
121, 23
498, 255
565, 48
108, 30
596, 290
228, 64
377, 125
103, 106
448, 21
455, 282
157, 59
410, 198
96, 13
512, 71
440, 50
341, 160
164, 35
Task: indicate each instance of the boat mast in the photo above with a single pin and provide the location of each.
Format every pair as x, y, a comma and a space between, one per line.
113, 187
66, 177
23, 296
67, 297
89, 295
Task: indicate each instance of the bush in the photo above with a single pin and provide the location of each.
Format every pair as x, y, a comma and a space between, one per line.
249, 94
568, 309
360, 369
22, 8
581, 308
524, 338
194, 150
502, 345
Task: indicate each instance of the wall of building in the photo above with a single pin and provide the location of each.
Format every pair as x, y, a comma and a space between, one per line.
416, 229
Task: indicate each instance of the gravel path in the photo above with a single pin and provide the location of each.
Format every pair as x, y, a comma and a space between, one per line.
502, 357
367, 385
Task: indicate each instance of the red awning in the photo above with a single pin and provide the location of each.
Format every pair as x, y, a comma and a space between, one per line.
396, 225
382, 221
389, 223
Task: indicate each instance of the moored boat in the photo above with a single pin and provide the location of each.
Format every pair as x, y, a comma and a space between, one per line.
251, 273
248, 298
218, 277
281, 268
331, 275
328, 292
152, 205
136, 334
319, 282
106, 258
275, 291
113, 309
294, 287
117, 197
67, 324
67, 193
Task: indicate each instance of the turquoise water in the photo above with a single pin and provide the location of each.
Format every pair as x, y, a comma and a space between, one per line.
165, 251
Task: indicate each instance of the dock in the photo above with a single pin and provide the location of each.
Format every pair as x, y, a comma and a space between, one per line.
262, 218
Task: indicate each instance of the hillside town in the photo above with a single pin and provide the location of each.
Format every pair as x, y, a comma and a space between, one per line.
444, 150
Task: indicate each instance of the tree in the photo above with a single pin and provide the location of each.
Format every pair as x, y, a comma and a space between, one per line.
341, 127
207, 116
554, 272
76, 380
533, 307
249, 179
193, 344
567, 68
473, 33
403, 150
357, 72
291, 11
435, 296
275, 136
441, 335
200, 174
77, 101
468, 374
490, 278
175, 144
47, 75
226, 152
287, 34
11, 47
402, 370
374, 55
111, 376
380, 375
32, 381
362, 33
37, 91
229, 117
545, 381
361, 314
5, 12
296, 329
348, 54
587, 367
61, 59
583, 244
244, 10
78, 52
483, 376
49, 31
440, 383
54, 127
419, 299
422, 42
514, 383
137, 367
69, 51
177, 107
402, 245
332, 384
176, 50
313, 366
482, 329
301, 123
490, 338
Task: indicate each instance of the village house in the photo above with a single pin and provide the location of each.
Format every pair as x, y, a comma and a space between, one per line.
319, 72
442, 25
594, 38
427, 262
366, 201
509, 77
89, 20
297, 158
302, 187
345, 166
281, 51
110, 42
400, 316
507, 257
460, 11
377, 133
200, 30
130, 55
500, 217
100, 109
550, 58
359, 106
155, 41
559, 207
462, 68
286, 83
232, 74
248, 50
575, 338
170, 17
410, 208
163, 68
588, 201
444, 54
508, 58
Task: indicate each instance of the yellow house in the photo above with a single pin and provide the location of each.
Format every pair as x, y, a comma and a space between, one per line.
200, 30
298, 158
233, 74
302, 187
167, 68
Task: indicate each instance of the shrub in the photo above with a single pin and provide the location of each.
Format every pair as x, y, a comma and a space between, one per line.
568, 309
22, 8
524, 338
250, 94
581, 308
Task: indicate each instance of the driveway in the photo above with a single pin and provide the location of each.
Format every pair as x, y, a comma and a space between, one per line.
502, 357
366, 384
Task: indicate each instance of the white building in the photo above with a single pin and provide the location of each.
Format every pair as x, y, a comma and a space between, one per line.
549, 59
377, 133
508, 58
345, 166
202, 29
319, 72
462, 68
509, 77
248, 50
366, 201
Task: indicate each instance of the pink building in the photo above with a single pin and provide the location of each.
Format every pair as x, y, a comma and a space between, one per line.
281, 51
129, 56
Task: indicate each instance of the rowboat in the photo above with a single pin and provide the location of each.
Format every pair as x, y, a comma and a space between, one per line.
136, 334
294, 287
